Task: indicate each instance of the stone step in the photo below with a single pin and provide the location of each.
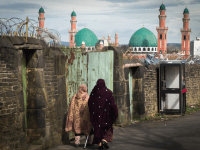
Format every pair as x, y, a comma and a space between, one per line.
35, 147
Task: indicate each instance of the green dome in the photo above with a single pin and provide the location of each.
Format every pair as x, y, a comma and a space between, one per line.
186, 11
41, 10
87, 36
73, 13
162, 7
143, 38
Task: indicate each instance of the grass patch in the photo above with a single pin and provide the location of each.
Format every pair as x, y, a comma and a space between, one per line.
190, 109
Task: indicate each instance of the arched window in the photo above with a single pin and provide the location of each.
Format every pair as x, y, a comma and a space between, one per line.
71, 37
160, 36
135, 49
144, 49
139, 49
148, 49
155, 49
165, 36
152, 49
184, 37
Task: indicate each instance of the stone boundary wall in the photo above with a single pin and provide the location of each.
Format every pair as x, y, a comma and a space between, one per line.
46, 94
192, 77
151, 85
12, 116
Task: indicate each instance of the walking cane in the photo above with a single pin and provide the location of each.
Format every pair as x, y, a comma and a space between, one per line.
86, 142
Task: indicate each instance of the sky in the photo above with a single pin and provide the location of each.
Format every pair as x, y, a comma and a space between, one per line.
105, 17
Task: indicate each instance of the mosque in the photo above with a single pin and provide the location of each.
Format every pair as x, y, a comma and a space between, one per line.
142, 42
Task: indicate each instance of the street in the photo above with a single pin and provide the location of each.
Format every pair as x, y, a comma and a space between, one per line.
181, 133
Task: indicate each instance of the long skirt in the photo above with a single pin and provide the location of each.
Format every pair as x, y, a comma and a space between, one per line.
102, 133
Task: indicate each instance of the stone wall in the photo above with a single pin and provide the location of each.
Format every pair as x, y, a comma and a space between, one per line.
151, 85
12, 116
41, 69
192, 77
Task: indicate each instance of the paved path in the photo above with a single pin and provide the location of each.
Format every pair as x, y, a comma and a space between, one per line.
177, 134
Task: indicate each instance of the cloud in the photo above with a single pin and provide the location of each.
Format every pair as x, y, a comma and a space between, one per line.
20, 6
195, 2
120, 1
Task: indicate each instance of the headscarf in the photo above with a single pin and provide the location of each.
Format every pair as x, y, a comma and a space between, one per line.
82, 91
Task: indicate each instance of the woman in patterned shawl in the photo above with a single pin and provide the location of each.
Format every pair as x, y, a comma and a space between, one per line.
78, 118
103, 113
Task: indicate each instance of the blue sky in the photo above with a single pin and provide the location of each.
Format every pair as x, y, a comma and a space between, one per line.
105, 17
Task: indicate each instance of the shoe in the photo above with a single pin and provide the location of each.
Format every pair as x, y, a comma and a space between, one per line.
101, 147
105, 144
76, 145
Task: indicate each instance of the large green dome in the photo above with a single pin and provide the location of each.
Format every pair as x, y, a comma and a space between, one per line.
41, 10
143, 38
87, 36
186, 11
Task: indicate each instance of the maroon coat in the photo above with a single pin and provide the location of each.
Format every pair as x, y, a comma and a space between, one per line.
103, 112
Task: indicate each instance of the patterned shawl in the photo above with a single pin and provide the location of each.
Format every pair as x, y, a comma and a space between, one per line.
78, 118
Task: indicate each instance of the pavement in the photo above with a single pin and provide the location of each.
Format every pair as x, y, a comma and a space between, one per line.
171, 133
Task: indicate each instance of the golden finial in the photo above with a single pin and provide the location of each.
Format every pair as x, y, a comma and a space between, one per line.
186, 6
85, 25
143, 25
73, 9
162, 2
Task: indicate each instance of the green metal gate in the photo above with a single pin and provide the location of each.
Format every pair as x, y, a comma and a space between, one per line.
100, 65
87, 68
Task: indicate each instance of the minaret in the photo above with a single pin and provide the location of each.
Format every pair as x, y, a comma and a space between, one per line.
185, 32
162, 32
73, 30
116, 40
109, 39
41, 19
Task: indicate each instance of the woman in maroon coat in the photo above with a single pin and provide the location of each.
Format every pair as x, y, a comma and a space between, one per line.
103, 112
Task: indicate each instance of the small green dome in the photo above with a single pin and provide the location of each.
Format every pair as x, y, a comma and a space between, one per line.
73, 13
162, 7
186, 11
143, 38
41, 10
87, 36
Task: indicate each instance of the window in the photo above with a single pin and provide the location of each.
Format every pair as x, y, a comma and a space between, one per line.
144, 49
160, 36
184, 37
165, 36
148, 49
71, 37
155, 49
135, 49
139, 49
152, 49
